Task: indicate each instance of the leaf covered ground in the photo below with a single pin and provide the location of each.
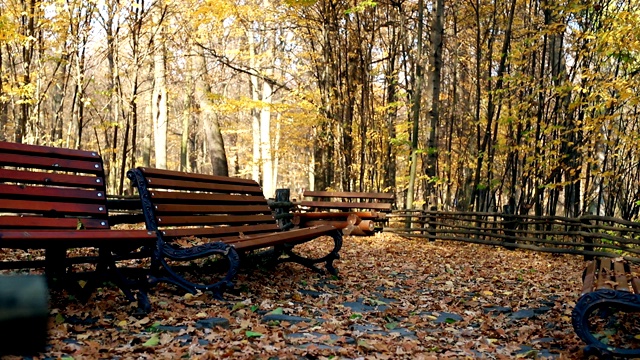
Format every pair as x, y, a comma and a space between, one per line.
395, 298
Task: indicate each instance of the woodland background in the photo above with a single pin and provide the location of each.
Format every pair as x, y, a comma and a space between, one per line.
450, 104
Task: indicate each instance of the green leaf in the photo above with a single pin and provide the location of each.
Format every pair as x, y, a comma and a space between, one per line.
276, 311
449, 320
153, 341
391, 325
59, 319
252, 334
254, 308
238, 306
355, 316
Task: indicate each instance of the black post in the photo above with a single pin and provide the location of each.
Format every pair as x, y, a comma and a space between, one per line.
24, 315
283, 208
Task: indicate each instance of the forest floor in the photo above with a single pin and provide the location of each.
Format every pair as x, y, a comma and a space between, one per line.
395, 298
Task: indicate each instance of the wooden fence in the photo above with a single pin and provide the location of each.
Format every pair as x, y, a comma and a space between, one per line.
587, 235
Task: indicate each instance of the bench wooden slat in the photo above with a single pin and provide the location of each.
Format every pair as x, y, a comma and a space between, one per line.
50, 179
171, 174
41, 192
57, 209
635, 284
349, 195
345, 205
604, 274
211, 209
58, 164
20, 239
191, 220
620, 276
159, 183
221, 231
589, 277
32, 222
16, 148
166, 196
339, 215
260, 241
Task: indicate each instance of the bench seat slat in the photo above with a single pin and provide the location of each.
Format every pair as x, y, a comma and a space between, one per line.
589, 277
260, 241
604, 274
58, 164
40, 192
345, 205
199, 186
220, 231
50, 179
213, 220
620, 276
33, 222
68, 238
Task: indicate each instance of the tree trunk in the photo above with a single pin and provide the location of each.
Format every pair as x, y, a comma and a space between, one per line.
159, 107
434, 113
415, 108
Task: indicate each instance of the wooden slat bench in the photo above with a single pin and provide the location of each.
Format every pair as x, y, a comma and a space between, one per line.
354, 212
55, 199
225, 214
609, 285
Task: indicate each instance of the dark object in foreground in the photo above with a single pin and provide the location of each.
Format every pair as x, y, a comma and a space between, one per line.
229, 215
610, 287
24, 315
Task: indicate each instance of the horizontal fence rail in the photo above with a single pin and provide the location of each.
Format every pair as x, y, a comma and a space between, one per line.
587, 235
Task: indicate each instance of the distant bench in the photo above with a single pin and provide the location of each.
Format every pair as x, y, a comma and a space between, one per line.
609, 285
356, 213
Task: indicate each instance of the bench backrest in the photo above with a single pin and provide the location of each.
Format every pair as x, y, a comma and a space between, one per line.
343, 200
51, 188
187, 204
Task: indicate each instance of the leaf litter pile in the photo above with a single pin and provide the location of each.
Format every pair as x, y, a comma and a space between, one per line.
395, 298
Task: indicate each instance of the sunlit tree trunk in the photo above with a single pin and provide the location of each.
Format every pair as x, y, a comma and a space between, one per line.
415, 108
433, 83
159, 107
255, 113
208, 120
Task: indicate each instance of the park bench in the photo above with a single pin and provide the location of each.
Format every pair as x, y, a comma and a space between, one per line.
609, 286
203, 216
356, 213
55, 199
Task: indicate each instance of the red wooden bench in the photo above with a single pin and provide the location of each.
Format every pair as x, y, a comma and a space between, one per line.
55, 199
221, 215
354, 212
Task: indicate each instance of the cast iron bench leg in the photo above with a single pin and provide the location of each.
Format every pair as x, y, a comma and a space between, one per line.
166, 251
602, 300
310, 262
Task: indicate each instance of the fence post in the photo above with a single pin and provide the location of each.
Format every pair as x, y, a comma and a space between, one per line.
587, 239
509, 223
